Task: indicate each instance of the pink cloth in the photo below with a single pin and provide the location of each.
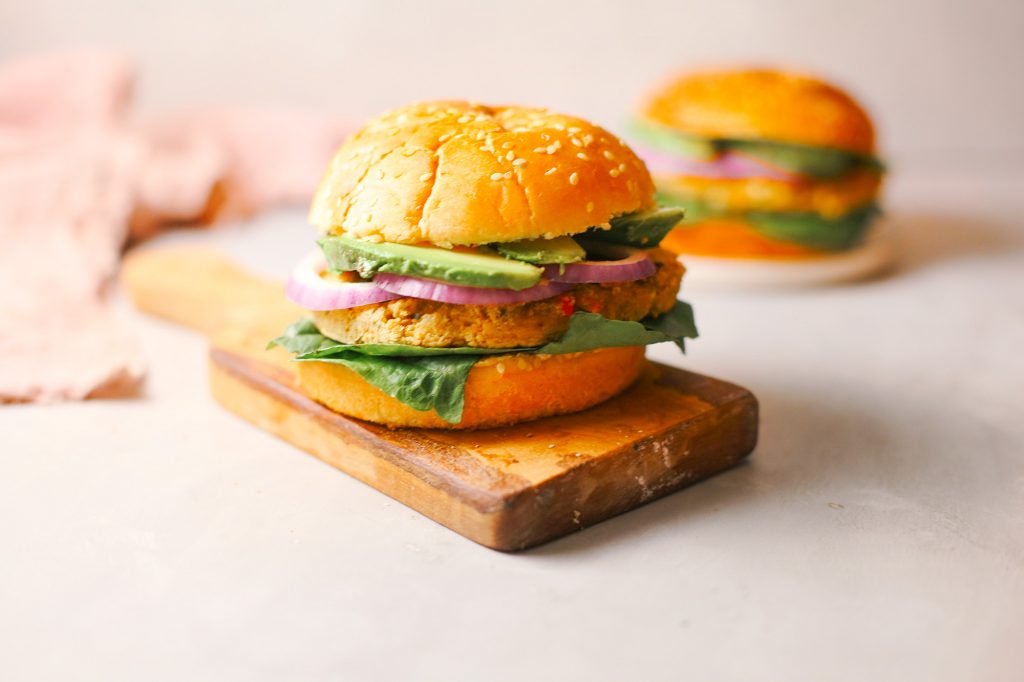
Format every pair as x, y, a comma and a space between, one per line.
78, 178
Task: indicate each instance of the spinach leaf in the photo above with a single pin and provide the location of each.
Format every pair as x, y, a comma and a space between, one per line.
435, 378
589, 331
802, 227
424, 383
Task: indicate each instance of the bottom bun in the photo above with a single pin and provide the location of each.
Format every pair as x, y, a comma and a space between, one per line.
500, 390
730, 238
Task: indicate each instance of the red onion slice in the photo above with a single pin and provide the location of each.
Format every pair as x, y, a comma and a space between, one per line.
452, 293
308, 288
623, 264
726, 166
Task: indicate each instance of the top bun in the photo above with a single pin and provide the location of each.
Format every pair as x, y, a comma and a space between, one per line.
763, 104
455, 173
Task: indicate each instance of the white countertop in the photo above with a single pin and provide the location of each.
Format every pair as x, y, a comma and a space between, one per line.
877, 533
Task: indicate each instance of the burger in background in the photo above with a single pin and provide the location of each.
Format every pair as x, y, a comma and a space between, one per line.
777, 172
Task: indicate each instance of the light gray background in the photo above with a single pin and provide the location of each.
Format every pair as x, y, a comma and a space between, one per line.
943, 77
877, 533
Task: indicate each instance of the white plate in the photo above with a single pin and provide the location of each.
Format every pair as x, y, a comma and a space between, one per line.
870, 258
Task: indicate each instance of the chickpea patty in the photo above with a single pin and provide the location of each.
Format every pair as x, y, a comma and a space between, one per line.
420, 322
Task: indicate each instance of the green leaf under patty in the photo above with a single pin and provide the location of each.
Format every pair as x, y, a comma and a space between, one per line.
802, 227
812, 229
435, 378
590, 331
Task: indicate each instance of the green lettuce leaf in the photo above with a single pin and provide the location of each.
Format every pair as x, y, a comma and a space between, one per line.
435, 378
676, 325
425, 383
589, 331
802, 227
812, 229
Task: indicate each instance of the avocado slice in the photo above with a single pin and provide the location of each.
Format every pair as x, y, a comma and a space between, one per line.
803, 159
669, 140
817, 162
543, 251
695, 209
429, 262
644, 229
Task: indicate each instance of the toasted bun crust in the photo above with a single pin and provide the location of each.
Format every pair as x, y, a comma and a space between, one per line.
499, 391
730, 238
763, 104
455, 173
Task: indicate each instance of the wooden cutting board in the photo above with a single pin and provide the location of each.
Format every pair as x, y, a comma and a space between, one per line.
507, 488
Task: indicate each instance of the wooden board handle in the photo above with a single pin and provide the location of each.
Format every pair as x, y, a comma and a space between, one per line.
202, 289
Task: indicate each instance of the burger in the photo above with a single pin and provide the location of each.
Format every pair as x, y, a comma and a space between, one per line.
481, 266
767, 164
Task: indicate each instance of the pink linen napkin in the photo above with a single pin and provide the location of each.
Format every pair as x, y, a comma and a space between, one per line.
79, 178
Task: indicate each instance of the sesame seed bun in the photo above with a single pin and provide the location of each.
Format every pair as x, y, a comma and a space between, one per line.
456, 173
762, 104
500, 390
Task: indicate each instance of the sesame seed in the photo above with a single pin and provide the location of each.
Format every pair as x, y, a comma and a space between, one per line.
583, 156
464, 119
508, 175
519, 162
574, 130
587, 139
574, 178
539, 150
549, 171
590, 207
614, 172
496, 176
576, 141
426, 176
506, 145
608, 155
622, 167
558, 126
510, 156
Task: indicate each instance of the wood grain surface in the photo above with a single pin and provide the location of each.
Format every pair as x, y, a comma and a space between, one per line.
507, 488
